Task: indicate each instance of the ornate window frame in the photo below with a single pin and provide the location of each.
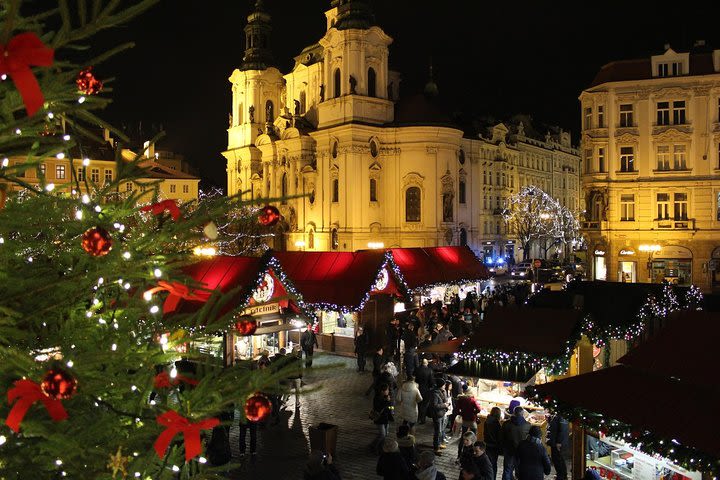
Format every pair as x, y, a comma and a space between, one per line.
413, 179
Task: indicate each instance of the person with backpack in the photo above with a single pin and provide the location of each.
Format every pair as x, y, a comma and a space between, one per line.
308, 342
437, 410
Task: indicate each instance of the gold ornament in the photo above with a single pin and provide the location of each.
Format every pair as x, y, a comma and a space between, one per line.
118, 463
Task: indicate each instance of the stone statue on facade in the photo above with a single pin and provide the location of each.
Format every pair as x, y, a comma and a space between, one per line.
230, 120
353, 85
521, 129
322, 92
251, 112
297, 107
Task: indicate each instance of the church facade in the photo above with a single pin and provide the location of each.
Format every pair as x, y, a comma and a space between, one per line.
358, 167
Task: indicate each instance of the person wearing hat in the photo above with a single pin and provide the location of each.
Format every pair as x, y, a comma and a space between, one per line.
533, 461
513, 431
426, 469
320, 467
391, 465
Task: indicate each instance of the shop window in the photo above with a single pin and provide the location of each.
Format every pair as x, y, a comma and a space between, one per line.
412, 204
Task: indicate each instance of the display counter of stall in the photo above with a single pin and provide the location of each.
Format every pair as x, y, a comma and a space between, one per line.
648, 418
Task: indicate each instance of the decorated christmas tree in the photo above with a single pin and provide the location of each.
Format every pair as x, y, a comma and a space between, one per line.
95, 382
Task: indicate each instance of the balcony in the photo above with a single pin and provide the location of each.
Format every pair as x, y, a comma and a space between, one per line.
671, 224
594, 225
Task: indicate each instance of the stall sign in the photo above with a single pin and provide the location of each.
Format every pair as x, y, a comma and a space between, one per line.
265, 290
599, 253
262, 309
382, 281
629, 251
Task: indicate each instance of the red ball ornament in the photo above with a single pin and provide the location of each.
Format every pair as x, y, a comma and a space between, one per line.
58, 384
96, 241
257, 407
87, 83
246, 325
269, 216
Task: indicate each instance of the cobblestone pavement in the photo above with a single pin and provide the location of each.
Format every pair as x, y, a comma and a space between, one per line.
338, 398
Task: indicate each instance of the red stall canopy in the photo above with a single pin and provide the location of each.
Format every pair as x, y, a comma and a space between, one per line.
423, 267
342, 279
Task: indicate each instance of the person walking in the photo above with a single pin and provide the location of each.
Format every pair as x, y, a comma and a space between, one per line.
361, 346
245, 427
558, 437
425, 379
533, 461
466, 406
407, 400
492, 436
426, 469
308, 342
513, 431
436, 411
391, 465
411, 361
482, 461
383, 413
378, 361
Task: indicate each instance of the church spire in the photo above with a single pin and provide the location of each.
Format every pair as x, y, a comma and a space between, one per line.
431, 88
353, 14
258, 55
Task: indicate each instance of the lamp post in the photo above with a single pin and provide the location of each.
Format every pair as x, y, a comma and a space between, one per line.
650, 249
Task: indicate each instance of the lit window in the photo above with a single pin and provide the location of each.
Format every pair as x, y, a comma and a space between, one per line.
679, 157
663, 157
81, 174
663, 206
59, 172
680, 206
627, 208
42, 168
412, 204
108, 176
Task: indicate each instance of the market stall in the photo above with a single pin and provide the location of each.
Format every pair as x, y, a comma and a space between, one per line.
648, 418
346, 290
438, 273
259, 293
517, 347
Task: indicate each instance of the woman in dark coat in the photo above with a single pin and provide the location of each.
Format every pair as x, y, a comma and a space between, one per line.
491, 434
533, 460
391, 464
382, 405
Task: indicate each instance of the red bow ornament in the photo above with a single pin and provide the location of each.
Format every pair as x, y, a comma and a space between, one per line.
178, 292
28, 392
163, 380
160, 207
15, 59
175, 423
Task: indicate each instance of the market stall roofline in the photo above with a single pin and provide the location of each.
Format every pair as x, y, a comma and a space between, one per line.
427, 266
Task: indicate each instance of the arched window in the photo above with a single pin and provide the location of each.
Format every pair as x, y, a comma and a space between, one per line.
461, 191
372, 80
337, 83
334, 242
269, 111
373, 190
412, 204
283, 189
311, 239
463, 237
335, 190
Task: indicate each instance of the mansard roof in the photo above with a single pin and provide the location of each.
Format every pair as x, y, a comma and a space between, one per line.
641, 69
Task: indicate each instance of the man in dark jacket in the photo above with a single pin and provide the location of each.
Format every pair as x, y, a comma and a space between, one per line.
308, 342
492, 436
558, 436
425, 379
378, 361
437, 411
320, 467
392, 335
361, 346
513, 431
412, 362
426, 469
533, 461
391, 465
482, 461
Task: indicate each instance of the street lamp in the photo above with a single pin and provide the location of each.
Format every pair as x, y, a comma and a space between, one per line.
650, 249
300, 245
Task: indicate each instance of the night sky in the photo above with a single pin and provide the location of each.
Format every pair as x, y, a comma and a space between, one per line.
489, 58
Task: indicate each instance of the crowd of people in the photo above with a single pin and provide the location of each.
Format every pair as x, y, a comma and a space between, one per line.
422, 392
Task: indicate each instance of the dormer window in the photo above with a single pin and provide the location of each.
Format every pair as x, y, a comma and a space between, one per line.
670, 63
670, 69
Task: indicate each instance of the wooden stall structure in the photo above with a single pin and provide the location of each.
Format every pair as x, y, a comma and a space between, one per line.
346, 290
256, 287
650, 417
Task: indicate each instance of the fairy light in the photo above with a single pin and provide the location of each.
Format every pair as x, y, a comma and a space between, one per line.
154, 309
126, 286
3, 439
113, 347
60, 156
202, 460
100, 281
175, 468
98, 209
2, 240
133, 388
70, 363
50, 115
85, 198
148, 295
66, 137
5, 162
126, 255
157, 273
18, 131
173, 372
50, 187
81, 99
58, 462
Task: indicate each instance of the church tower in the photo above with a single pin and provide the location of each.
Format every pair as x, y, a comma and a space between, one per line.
356, 78
257, 89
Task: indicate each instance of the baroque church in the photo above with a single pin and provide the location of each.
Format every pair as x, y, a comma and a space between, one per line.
359, 167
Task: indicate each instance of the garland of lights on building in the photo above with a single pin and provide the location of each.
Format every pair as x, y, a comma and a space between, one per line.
643, 440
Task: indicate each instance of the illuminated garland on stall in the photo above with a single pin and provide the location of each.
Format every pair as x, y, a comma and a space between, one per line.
644, 440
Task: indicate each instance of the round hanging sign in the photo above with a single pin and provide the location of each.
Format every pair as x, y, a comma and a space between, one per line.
265, 290
382, 281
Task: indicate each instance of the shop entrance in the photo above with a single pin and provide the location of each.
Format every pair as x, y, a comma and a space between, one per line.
600, 270
672, 264
627, 272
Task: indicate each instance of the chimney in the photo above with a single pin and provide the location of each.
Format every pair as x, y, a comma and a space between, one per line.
108, 138
666, 47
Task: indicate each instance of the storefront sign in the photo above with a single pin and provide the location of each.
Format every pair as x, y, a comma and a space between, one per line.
382, 281
262, 309
673, 252
264, 292
629, 251
599, 253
